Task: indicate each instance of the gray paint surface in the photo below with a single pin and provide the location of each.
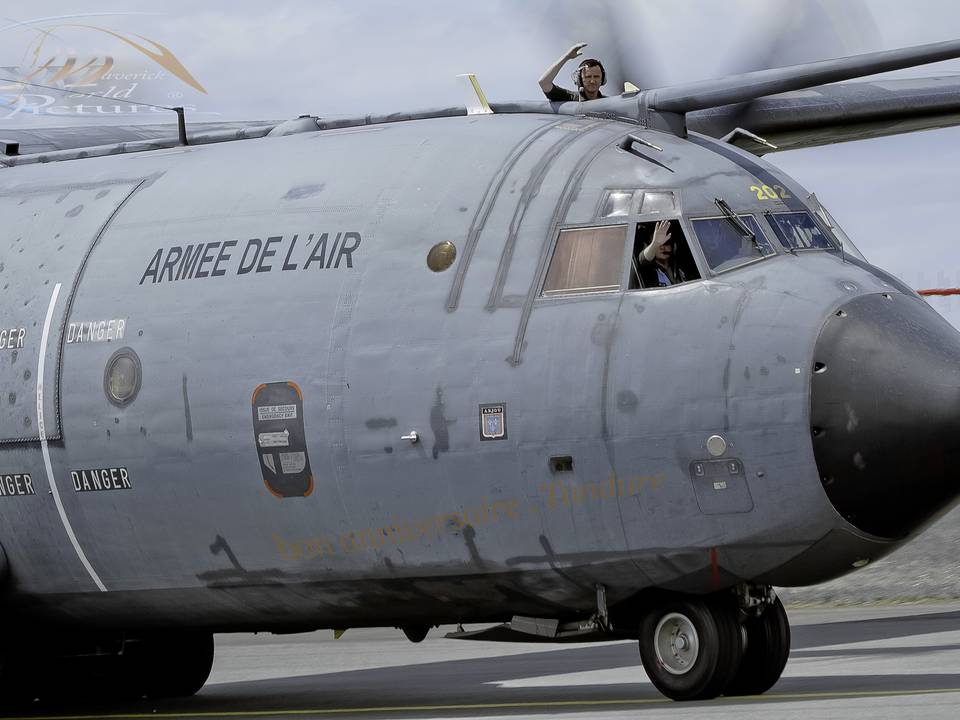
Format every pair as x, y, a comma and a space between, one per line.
449, 528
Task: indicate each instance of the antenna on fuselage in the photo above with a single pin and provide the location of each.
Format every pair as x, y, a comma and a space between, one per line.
476, 99
181, 125
181, 121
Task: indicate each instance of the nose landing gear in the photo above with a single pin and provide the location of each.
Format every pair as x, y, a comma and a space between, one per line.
695, 648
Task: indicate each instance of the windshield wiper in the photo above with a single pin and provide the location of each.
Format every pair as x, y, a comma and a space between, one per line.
738, 223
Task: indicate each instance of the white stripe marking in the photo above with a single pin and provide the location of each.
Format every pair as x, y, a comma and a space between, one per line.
46, 450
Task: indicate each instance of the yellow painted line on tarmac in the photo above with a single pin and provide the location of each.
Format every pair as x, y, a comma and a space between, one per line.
546, 705
355, 710
841, 695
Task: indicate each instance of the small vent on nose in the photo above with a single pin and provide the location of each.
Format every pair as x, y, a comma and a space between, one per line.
819, 367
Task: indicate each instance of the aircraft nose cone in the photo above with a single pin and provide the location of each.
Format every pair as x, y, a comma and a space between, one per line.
885, 412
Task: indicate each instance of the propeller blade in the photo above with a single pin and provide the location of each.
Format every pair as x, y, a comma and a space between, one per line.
653, 43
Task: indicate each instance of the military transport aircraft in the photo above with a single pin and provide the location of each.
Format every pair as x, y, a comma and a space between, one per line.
414, 369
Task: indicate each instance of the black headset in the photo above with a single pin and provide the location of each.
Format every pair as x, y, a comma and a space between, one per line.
591, 62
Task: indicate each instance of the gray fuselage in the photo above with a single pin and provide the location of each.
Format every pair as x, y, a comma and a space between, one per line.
301, 263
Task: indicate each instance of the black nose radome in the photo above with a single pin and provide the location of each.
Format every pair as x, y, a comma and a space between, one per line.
885, 412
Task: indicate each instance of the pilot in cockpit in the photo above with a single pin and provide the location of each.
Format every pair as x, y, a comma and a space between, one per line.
589, 77
658, 263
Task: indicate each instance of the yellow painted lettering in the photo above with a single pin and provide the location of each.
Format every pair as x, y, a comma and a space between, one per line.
288, 550
508, 507
551, 491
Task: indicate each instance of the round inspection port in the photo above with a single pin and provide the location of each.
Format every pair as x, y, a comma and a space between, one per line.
122, 377
441, 256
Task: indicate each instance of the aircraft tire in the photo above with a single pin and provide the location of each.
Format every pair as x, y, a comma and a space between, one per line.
19, 683
691, 647
177, 665
12, 691
768, 647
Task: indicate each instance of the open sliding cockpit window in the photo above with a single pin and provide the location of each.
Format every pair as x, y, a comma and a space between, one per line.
661, 258
727, 242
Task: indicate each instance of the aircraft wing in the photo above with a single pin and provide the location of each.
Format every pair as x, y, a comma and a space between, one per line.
836, 113
83, 136
809, 117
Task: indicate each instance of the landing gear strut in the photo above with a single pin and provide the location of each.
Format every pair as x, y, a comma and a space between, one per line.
695, 648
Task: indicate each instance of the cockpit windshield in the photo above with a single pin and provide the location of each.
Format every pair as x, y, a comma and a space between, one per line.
845, 242
798, 231
727, 244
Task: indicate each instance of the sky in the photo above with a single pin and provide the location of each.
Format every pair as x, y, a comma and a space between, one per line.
895, 197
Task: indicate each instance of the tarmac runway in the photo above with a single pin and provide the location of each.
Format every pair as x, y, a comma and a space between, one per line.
876, 662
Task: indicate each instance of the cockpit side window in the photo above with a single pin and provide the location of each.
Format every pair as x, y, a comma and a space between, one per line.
726, 244
624, 202
661, 266
798, 231
657, 201
839, 235
587, 260
617, 203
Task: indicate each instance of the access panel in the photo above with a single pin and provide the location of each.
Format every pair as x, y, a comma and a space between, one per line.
45, 235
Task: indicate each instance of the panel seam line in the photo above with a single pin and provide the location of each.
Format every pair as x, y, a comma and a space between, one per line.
46, 450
